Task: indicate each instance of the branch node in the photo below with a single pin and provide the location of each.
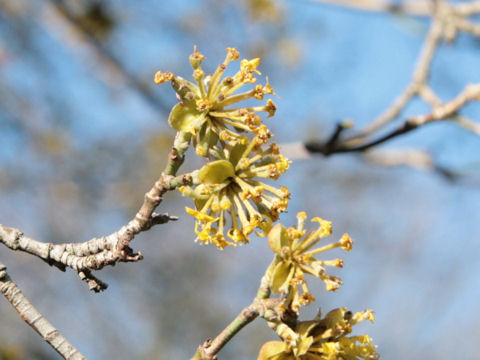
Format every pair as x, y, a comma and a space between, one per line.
94, 284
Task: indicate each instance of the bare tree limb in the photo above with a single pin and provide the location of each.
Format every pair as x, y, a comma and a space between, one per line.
442, 112
35, 319
468, 8
418, 83
468, 124
448, 19
210, 349
468, 26
96, 253
414, 158
408, 7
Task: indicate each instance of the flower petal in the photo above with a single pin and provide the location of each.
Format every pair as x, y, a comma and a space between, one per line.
277, 238
185, 118
282, 274
216, 172
273, 350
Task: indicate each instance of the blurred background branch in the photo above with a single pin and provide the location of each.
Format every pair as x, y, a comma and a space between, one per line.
84, 34
440, 112
447, 21
409, 7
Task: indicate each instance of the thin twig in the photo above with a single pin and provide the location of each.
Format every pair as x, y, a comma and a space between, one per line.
269, 308
468, 124
468, 26
415, 158
35, 319
210, 349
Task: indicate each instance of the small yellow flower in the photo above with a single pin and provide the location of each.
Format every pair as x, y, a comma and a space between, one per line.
322, 339
230, 186
264, 10
205, 107
295, 258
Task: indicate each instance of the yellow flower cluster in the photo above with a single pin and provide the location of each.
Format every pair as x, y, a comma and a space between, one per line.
294, 258
230, 201
205, 107
230, 185
322, 339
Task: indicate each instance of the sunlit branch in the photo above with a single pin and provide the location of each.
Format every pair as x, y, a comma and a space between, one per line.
262, 306
442, 112
448, 19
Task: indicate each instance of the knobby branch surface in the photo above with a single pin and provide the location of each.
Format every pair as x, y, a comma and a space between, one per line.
35, 319
96, 253
447, 21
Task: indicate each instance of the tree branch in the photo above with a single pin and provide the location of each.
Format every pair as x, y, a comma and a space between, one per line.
411, 7
35, 319
210, 348
96, 253
447, 20
263, 307
468, 26
415, 158
441, 112
468, 8
270, 309
418, 82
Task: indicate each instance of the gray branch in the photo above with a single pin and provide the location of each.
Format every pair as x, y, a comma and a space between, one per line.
35, 319
97, 253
